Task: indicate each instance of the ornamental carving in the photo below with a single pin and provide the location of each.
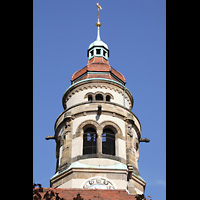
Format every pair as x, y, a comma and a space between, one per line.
132, 137
98, 183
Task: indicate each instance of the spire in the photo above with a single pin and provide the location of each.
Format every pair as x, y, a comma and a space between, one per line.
98, 48
98, 34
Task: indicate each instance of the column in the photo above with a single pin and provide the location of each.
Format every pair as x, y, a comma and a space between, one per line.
99, 141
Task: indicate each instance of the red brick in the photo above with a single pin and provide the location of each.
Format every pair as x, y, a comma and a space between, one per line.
86, 194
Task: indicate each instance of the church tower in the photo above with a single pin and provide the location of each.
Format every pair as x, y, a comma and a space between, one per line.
97, 135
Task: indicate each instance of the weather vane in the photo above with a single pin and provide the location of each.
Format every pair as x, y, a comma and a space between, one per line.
98, 24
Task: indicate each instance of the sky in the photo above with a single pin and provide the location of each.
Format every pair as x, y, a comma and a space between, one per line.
135, 32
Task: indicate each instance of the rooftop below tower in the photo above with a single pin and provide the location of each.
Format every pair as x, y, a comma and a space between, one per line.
71, 193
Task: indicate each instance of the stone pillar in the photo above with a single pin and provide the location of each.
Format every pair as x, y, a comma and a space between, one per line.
130, 185
99, 141
67, 144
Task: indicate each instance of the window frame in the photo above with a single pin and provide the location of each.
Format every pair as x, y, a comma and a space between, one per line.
108, 96
92, 96
108, 141
89, 136
98, 51
99, 95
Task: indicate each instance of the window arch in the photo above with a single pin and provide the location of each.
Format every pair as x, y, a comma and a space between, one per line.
107, 97
99, 97
89, 141
90, 98
108, 142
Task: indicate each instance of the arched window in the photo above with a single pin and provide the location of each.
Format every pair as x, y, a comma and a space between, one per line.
89, 97
99, 97
107, 97
89, 141
108, 142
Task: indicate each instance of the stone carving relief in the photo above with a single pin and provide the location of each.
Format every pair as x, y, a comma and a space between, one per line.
61, 136
132, 138
132, 143
63, 146
98, 183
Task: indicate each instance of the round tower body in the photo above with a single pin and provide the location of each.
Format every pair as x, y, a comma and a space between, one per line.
97, 135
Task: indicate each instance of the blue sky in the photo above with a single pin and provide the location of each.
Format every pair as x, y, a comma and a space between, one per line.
135, 32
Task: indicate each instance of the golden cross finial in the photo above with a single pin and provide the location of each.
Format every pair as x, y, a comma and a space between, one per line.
98, 24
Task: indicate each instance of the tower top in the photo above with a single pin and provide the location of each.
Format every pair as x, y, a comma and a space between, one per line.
98, 48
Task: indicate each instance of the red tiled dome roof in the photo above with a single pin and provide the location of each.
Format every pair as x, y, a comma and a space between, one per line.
95, 65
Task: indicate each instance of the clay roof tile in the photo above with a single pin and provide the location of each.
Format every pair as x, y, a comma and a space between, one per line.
70, 193
98, 64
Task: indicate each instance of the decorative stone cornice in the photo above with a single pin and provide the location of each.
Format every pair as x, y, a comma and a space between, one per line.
97, 83
76, 111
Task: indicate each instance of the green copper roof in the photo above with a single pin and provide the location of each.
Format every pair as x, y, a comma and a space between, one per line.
98, 41
79, 165
139, 177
